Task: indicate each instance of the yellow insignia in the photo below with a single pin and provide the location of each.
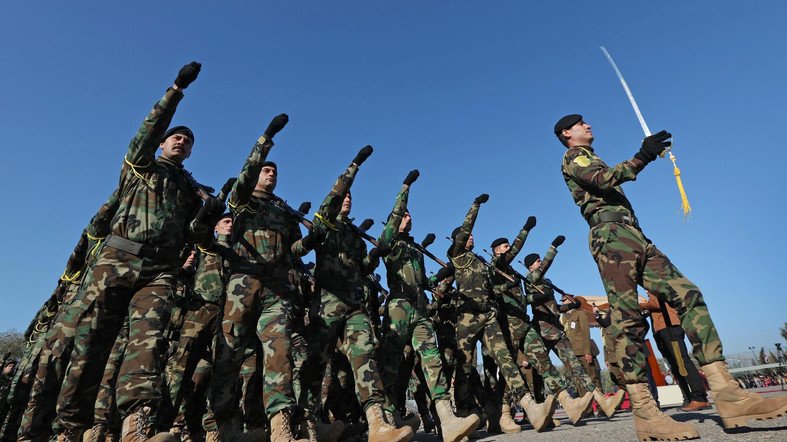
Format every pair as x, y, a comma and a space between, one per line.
582, 161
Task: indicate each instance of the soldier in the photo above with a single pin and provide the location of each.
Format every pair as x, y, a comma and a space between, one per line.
159, 211
610, 353
260, 291
575, 323
521, 334
541, 293
477, 319
625, 259
406, 320
339, 311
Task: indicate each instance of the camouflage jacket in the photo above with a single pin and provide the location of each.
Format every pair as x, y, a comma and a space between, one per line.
404, 266
472, 276
342, 260
209, 277
157, 198
264, 231
509, 294
595, 186
540, 293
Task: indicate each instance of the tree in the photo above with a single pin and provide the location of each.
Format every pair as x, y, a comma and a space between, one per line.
784, 331
12, 342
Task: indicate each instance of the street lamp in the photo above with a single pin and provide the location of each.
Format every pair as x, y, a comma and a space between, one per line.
754, 361
779, 357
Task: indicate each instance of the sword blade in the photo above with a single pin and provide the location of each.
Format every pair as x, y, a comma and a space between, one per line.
628, 92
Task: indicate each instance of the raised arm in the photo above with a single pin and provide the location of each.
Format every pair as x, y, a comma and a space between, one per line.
459, 245
250, 174
519, 242
332, 204
400, 208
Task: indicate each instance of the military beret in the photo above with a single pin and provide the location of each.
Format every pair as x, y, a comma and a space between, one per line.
455, 232
270, 164
530, 259
178, 130
499, 241
226, 215
566, 122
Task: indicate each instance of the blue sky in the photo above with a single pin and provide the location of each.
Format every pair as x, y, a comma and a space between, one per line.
467, 92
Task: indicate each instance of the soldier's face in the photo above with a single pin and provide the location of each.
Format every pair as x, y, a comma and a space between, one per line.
502, 248
536, 264
470, 242
406, 224
224, 227
347, 205
579, 134
267, 180
176, 147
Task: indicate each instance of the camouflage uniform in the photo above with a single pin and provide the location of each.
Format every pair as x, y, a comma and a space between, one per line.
546, 314
626, 258
58, 340
406, 320
477, 317
339, 312
106, 413
259, 293
133, 276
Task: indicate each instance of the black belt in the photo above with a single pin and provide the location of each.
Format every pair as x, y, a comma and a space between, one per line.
254, 269
612, 217
141, 250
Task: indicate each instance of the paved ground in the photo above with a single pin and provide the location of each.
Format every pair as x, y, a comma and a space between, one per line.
621, 428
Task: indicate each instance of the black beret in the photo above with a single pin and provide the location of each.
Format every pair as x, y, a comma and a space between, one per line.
226, 215
270, 164
178, 130
566, 122
499, 241
455, 232
530, 259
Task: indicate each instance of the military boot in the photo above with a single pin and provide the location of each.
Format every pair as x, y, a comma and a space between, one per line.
736, 406
539, 415
382, 431
574, 407
507, 424
137, 427
608, 404
70, 435
454, 428
98, 433
492, 418
320, 432
650, 423
281, 430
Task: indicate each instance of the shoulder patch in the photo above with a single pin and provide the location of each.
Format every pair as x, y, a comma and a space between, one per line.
582, 161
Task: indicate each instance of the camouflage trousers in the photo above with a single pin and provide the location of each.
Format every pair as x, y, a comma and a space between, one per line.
404, 324
334, 319
119, 293
106, 411
253, 312
626, 259
522, 336
55, 355
470, 328
18, 392
555, 339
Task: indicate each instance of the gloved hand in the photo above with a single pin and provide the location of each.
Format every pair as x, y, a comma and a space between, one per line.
411, 177
558, 241
428, 240
530, 223
313, 239
226, 189
481, 199
445, 272
381, 251
366, 224
277, 123
211, 211
187, 74
305, 207
363, 154
653, 146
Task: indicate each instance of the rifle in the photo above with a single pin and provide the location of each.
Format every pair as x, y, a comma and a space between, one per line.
488, 265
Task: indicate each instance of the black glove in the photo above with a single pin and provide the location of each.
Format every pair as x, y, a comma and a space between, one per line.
381, 251
411, 177
428, 240
481, 199
366, 224
226, 189
211, 211
187, 74
313, 239
445, 272
558, 241
653, 146
575, 304
305, 207
530, 223
363, 154
277, 123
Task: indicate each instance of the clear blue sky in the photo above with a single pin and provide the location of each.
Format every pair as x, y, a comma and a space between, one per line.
467, 92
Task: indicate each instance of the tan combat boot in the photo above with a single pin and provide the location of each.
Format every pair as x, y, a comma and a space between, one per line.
539, 415
137, 428
452, 427
608, 404
574, 407
96, 434
413, 420
382, 431
507, 424
736, 405
281, 431
650, 423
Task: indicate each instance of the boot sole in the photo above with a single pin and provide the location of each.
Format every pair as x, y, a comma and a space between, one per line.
464, 434
742, 421
686, 435
548, 419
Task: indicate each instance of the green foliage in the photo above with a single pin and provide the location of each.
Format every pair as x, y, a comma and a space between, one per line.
12, 342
